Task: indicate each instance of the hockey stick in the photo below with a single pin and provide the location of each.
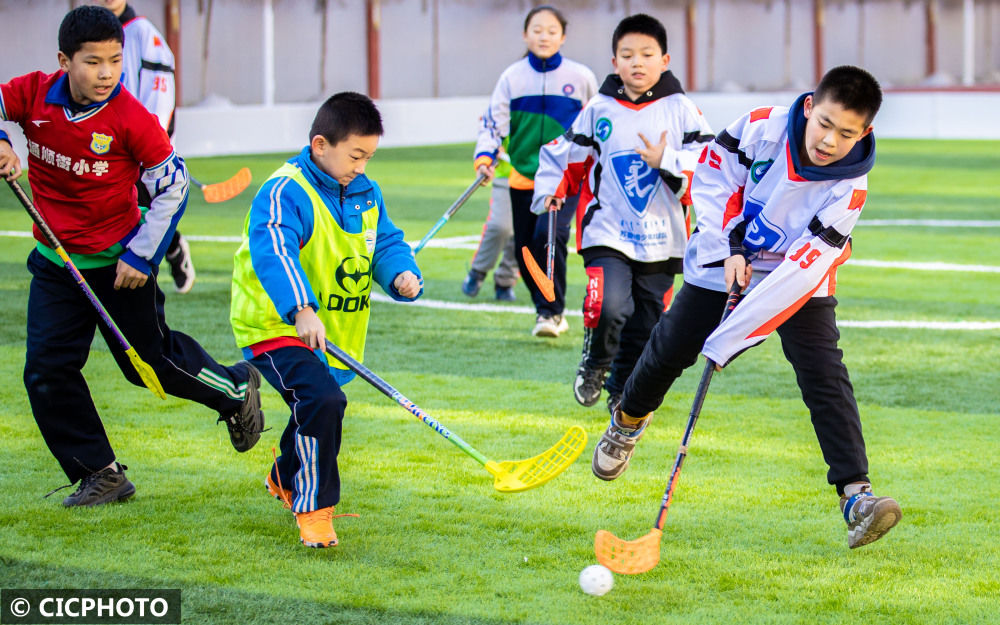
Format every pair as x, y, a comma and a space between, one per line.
225, 190
451, 211
640, 555
145, 372
544, 280
509, 476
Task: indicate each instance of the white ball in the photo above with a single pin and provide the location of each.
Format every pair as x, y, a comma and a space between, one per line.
596, 580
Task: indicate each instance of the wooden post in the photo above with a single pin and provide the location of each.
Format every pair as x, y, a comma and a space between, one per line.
930, 38
172, 26
818, 19
373, 22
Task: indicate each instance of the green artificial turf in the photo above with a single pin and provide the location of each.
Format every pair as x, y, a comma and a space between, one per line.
754, 533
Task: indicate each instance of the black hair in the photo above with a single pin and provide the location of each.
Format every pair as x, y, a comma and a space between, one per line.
344, 114
851, 87
85, 24
642, 24
551, 9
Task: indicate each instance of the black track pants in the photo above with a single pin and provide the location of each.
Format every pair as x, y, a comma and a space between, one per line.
621, 305
809, 341
61, 323
532, 231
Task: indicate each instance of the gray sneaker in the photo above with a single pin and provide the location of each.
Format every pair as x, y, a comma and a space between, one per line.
102, 487
588, 384
868, 517
246, 424
615, 448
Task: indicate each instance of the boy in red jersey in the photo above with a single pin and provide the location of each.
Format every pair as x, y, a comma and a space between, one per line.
87, 139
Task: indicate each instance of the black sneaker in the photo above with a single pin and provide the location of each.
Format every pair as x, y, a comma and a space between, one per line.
588, 384
472, 283
181, 266
505, 293
246, 424
102, 487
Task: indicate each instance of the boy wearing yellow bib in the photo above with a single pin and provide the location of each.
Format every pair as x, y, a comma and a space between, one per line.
316, 237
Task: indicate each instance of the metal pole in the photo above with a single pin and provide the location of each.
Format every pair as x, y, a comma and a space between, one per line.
268, 52
968, 42
692, 81
435, 49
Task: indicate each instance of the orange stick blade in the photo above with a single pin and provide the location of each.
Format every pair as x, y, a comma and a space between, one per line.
545, 286
628, 557
227, 189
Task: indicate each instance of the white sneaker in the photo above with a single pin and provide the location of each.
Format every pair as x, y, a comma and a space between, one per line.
546, 326
561, 324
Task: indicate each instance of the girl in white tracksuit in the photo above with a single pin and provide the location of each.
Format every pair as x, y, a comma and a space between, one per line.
535, 100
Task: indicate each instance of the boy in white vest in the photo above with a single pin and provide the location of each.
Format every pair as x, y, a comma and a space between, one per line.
316, 237
777, 195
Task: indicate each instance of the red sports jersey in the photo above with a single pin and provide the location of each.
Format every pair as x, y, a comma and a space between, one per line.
83, 167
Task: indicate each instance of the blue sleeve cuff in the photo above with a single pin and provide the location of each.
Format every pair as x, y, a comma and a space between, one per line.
5, 137
136, 262
394, 294
289, 317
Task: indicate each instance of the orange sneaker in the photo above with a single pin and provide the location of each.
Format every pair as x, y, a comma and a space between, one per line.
282, 494
316, 528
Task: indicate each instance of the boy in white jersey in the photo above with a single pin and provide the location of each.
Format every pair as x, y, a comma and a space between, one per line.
777, 195
632, 225
148, 74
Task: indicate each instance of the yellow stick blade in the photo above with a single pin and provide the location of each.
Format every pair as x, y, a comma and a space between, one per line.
545, 286
628, 557
227, 189
146, 373
515, 476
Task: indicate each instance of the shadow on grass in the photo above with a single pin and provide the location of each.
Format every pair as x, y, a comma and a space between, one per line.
215, 605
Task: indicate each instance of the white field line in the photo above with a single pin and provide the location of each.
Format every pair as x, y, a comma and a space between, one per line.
526, 310
933, 223
885, 264
470, 242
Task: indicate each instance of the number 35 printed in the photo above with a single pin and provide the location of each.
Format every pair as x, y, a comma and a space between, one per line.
810, 255
159, 84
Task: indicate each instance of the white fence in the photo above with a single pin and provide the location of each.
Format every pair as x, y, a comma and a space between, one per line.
457, 48
283, 128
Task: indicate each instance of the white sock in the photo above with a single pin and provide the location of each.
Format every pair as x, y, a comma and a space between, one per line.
856, 487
